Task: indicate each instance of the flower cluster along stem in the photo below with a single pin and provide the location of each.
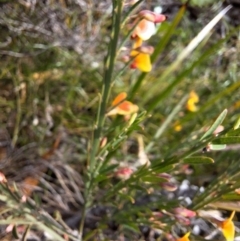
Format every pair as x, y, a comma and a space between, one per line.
158, 49
106, 87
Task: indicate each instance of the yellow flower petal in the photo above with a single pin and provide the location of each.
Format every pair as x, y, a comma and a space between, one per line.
194, 97
192, 100
119, 98
228, 228
185, 237
177, 127
191, 106
137, 43
142, 61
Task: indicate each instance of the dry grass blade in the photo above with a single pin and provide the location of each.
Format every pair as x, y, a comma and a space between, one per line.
202, 34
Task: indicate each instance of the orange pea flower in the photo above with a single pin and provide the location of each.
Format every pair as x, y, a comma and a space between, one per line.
146, 26
141, 57
141, 61
228, 228
192, 100
185, 237
122, 106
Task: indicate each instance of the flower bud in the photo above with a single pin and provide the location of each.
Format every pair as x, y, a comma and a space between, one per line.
148, 15
125, 58
165, 176
169, 186
124, 173
184, 212
159, 18
103, 142
145, 49
152, 17
2, 178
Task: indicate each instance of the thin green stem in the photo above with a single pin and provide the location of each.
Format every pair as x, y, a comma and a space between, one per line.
109, 66
106, 87
81, 226
19, 113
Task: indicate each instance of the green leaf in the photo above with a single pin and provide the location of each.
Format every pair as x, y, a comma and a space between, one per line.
131, 226
162, 167
100, 178
234, 132
217, 147
237, 124
215, 125
15, 232
227, 140
126, 197
138, 187
26, 232
108, 169
153, 179
231, 197
198, 160
118, 141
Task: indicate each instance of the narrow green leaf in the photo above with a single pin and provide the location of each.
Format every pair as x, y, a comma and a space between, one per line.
138, 187
237, 124
100, 178
198, 160
108, 169
231, 197
217, 147
162, 167
126, 197
227, 140
118, 141
15, 232
26, 232
215, 125
152, 179
235, 132
131, 226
